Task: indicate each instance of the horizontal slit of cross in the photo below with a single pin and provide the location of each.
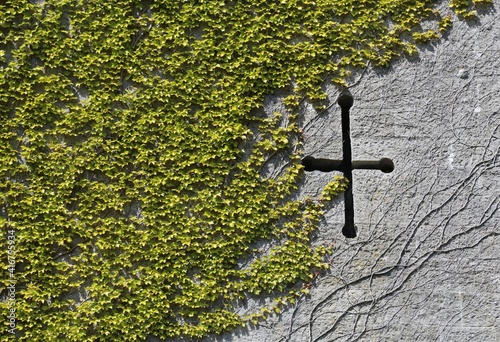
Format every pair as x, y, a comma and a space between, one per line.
328, 165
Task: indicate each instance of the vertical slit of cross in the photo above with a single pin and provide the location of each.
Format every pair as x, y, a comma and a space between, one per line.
346, 102
346, 165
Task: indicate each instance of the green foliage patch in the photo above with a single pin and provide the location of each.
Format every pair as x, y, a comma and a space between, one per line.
134, 167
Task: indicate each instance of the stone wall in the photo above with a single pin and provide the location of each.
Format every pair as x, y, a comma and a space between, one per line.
425, 265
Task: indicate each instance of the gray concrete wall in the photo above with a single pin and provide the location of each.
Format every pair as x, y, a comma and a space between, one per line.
425, 265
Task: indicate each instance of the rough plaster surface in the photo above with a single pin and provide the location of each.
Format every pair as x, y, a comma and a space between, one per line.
425, 265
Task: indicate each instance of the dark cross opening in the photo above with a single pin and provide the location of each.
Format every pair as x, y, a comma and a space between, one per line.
346, 165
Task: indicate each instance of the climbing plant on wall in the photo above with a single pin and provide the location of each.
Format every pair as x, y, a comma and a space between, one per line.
134, 161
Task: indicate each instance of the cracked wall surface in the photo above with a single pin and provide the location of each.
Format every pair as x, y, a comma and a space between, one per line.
425, 265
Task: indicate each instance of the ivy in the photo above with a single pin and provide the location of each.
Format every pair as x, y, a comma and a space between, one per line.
468, 9
136, 168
